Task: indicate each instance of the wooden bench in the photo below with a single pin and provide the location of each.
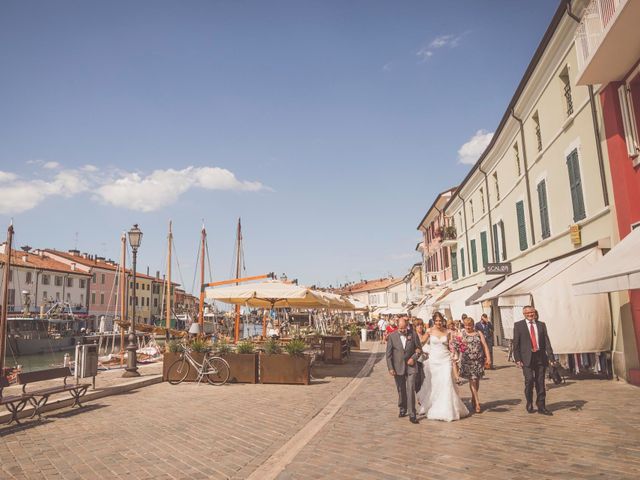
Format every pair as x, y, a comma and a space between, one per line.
14, 403
39, 398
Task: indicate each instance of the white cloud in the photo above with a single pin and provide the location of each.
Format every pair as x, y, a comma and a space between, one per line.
471, 150
449, 41
51, 165
118, 188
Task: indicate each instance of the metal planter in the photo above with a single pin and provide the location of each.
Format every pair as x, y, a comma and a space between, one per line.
283, 368
243, 366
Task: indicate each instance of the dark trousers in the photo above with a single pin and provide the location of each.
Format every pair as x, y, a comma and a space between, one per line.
406, 385
534, 375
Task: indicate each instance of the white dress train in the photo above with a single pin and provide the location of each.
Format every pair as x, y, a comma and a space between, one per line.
444, 401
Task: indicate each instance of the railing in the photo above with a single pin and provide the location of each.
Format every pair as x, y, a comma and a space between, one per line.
595, 20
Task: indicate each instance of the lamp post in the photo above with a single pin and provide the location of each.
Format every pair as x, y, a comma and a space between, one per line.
135, 237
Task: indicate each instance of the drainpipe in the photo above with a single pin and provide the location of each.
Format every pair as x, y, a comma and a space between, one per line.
570, 11
526, 176
486, 186
596, 131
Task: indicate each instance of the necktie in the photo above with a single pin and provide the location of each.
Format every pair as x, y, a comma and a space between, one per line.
534, 343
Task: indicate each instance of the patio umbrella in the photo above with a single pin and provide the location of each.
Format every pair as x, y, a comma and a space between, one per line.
270, 294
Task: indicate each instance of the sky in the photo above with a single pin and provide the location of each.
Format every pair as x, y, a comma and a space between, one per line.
328, 126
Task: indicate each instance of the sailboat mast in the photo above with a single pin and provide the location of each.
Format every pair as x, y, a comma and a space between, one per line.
238, 262
201, 307
5, 298
123, 292
168, 294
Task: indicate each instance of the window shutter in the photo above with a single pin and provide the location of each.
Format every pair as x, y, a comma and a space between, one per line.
454, 265
575, 184
504, 240
484, 249
496, 245
464, 270
522, 226
474, 256
544, 209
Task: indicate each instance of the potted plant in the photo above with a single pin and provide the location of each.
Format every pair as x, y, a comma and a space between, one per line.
173, 349
198, 347
243, 363
354, 335
290, 367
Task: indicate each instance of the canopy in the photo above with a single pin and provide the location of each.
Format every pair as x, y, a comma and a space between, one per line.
335, 301
511, 281
425, 309
455, 302
482, 290
618, 270
357, 304
391, 311
269, 294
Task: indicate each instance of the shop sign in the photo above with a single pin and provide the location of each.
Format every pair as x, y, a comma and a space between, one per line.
576, 237
497, 268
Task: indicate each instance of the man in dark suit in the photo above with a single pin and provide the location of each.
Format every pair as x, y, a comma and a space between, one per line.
531, 351
403, 351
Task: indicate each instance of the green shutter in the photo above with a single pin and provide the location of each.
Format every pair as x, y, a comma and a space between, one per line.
504, 240
474, 257
454, 265
522, 226
483, 247
496, 248
464, 270
575, 184
544, 209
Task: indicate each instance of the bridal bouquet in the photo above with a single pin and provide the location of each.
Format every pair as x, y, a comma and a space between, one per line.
457, 345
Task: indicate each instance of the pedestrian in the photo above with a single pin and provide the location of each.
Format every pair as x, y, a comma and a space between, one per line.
531, 351
392, 326
454, 335
486, 327
473, 359
382, 327
403, 350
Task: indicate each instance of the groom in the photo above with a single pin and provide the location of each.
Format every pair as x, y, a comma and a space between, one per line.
403, 351
531, 351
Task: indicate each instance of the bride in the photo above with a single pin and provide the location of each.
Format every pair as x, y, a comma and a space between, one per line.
438, 396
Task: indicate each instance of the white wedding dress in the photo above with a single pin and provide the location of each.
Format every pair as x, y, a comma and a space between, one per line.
438, 396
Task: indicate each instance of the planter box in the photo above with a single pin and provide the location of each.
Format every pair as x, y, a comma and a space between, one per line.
170, 357
243, 366
354, 340
283, 368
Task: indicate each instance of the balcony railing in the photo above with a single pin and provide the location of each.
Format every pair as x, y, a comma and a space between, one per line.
595, 20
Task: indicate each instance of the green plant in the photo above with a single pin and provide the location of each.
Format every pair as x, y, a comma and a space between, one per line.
223, 348
295, 347
245, 347
199, 345
272, 346
174, 346
354, 329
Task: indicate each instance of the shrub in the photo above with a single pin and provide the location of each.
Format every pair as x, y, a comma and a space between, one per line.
199, 345
272, 346
174, 346
245, 347
295, 347
223, 348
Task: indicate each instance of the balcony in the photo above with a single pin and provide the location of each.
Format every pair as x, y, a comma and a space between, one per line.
449, 236
607, 41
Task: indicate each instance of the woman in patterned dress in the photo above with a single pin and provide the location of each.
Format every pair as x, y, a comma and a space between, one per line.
473, 359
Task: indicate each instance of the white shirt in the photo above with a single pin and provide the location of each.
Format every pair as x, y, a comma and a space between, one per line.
535, 330
403, 339
382, 324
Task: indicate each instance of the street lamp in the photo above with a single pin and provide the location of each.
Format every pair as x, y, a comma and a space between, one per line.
135, 238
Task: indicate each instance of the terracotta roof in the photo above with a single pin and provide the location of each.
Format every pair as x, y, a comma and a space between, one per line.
89, 262
44, 262
370, 285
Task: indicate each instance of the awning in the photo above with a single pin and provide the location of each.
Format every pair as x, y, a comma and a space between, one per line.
618, 270
425, 309
510, 282
391, 311
455, 303
484, 289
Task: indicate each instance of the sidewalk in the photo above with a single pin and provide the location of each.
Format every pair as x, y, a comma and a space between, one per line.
337, 428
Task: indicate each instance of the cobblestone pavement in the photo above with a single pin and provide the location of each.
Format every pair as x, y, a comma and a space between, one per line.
594, 434
162, 431
197, 432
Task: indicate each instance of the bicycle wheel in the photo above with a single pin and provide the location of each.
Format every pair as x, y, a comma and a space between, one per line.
218, 371
178, 371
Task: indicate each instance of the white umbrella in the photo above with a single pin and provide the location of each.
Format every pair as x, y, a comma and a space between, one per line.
269, 294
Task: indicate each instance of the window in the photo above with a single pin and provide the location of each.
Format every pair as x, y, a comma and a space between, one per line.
484, 248
10, 275
471, 211
93, 299
544, 209
102, 299
57, 280
57, 296
155, 302
575, 184
536, 126
45, 296
522, 226
82, 299
445, 256
70, 282
45, 279
454, 265
68, 297
130, 300
83, 283
462, 267
474, 256
93, 278
130, 284
629, 120
482, 199
147, 301
102, 279
516, 156
460, 222
566, 90
116, 280
11, 296
29, 278
496, 185
394, 297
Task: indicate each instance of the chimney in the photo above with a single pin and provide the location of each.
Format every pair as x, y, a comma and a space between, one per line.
41, 253
74, 252
158, 274
73, 266
147, 270
84, 255
25, 258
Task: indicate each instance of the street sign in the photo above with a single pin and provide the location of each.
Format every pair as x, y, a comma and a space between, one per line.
497, 268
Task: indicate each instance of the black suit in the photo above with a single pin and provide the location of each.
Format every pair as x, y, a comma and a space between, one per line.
534, 364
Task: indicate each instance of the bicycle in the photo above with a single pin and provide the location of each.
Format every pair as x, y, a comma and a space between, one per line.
215, 369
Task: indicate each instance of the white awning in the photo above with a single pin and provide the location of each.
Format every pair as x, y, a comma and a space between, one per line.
618, 270
455, 300
510, 282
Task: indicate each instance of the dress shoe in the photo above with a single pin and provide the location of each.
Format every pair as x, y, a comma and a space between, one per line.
544, 411
413, 420
530, 408
402, 414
